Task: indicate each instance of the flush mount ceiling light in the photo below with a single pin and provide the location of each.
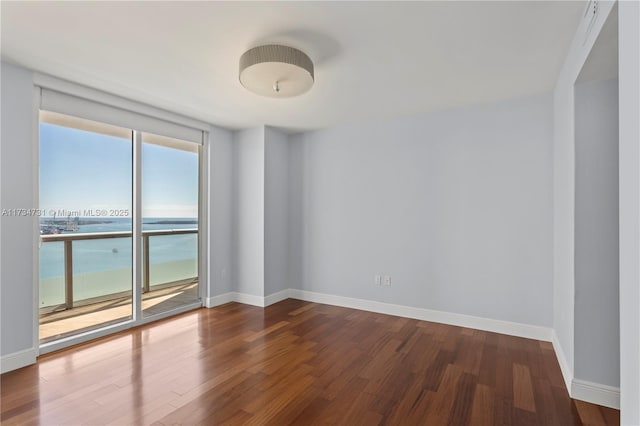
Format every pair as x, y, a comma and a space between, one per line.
276, 71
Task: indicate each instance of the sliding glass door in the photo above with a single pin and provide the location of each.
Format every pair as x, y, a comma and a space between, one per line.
87, 245
169, 223
85, 225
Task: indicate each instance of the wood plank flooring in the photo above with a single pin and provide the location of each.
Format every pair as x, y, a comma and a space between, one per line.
297, 363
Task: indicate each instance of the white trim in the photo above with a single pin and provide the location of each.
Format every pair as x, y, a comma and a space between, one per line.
85, 92
137, 275
79, 338
248, 299
234, 296
18, 359
564, 186
35, 253
567, 374
460, 320
221, 299
277, 297
204, 286
596, 393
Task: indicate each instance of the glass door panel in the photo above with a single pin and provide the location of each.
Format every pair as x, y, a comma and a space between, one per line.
51, 272
86, 248
170, 188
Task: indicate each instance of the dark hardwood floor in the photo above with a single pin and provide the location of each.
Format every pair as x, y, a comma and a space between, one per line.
297, 363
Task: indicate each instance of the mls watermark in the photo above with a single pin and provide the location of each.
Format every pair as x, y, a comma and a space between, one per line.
23, 212
66, 213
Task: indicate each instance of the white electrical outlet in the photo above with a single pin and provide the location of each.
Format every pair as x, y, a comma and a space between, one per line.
387, 280
377, 279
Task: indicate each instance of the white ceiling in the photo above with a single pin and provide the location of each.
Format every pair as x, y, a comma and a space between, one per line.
373, 60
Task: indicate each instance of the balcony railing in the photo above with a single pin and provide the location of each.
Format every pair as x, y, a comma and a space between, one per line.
68, 240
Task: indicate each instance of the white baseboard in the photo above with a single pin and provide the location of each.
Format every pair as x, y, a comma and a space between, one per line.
18, 360
596, 393
247, 299
218, 300
277, 297
461, 320
567, 371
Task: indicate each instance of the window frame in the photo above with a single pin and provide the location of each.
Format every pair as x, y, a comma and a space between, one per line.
167, 120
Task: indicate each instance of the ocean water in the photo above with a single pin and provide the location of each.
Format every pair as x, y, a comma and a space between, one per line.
103, 266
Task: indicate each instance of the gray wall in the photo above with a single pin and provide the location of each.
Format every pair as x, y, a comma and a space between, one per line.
629, 78
456, 206
260, 211
16, 233
597, 340
248, 211
220, 211
276, 211
296, 199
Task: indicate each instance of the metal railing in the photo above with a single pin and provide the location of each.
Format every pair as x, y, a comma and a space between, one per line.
68, 240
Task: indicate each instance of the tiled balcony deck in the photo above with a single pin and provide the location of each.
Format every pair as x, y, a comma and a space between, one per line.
60, 323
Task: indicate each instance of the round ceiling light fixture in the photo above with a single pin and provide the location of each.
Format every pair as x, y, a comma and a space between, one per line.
276, 71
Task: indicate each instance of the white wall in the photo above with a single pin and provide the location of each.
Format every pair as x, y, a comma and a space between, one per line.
248, 211
16, 233
220, 211
276, 211
629, 80
597, 342
563, 189
455, 206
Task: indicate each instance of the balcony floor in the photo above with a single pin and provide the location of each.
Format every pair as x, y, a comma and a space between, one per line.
54, 325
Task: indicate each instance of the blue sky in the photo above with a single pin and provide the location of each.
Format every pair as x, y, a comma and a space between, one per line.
81, 170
